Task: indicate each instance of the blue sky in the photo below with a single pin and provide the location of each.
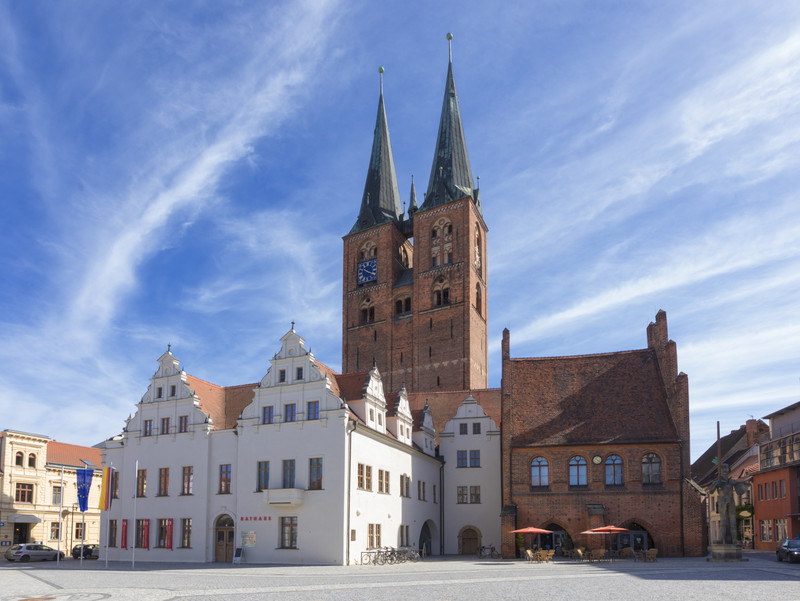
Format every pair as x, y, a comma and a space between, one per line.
183, 173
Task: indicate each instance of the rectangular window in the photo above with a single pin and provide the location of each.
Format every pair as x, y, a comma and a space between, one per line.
187, 482
159, 392
183, 424
163, 534
56, 495
315, 473
374, 536
474, 494
148, 427
142, 534
383, 481
783, 489
112, 533
282, 375
290, 412
368, 477
164, 425
78, 530
299, 373
186, 533
462, 428
288, 473
141, 483
766, 491
172, 390
760, 493
313, 410
476, 428
115, 484
461, 459
774, 490
55, 530
474, 458
766, 531
361, 476
225, 479
267, 417
163, 481
289, 532
461, 494
408, 486
262, 476
434, 494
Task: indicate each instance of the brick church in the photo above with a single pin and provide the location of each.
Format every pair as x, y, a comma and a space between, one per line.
587, 440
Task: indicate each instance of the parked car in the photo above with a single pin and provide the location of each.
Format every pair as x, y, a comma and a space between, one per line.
89, 551
30, 552
789, 550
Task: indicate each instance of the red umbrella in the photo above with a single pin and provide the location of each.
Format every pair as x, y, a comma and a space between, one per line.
606, 530
532, 530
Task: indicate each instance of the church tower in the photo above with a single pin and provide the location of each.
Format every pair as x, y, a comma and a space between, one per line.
414, 287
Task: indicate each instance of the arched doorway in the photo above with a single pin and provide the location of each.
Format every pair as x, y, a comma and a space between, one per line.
558, 540
469, 541
638, 538
224, 539
425, 540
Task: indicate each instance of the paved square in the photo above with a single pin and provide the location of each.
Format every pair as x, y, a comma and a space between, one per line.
434, 579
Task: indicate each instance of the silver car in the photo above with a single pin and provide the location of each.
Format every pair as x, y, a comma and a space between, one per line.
31, 552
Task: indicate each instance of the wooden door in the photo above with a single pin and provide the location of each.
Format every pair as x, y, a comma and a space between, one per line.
224, 539
469, 542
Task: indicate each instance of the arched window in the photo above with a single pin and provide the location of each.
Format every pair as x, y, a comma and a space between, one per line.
577, 471
367, 311
402, 305
478, 249
651, 469
19, 458
368, 251
614, 470
442, 242
31, 460
441, 292
478, 299
540, 472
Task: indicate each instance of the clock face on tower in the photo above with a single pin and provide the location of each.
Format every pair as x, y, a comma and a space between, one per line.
367, 271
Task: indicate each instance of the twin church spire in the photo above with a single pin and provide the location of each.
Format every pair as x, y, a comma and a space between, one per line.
451, 176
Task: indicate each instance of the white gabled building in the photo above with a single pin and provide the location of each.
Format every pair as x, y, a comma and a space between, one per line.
305, 467
470, 447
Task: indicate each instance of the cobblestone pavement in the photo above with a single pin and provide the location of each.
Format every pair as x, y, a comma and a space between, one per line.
434, 579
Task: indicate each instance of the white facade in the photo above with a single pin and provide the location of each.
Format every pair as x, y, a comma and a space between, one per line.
300, 475
470, 446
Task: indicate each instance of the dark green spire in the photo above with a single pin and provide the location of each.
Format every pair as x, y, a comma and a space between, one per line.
412, 203
451, 176
381, 200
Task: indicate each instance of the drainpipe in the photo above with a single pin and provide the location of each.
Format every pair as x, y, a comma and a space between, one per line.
349, 432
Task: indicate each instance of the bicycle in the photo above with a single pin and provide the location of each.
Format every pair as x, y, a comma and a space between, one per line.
488, 551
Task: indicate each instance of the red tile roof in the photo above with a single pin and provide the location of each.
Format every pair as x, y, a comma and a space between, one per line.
444, 405
350, 385
617, 397
60, 453
223, 404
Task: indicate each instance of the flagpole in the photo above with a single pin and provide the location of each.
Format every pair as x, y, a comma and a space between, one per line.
135, 491
60, 516
83, 535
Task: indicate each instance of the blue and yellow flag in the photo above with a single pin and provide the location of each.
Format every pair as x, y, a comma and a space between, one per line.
84, 487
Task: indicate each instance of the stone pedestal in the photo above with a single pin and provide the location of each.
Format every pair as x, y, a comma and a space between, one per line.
725, 552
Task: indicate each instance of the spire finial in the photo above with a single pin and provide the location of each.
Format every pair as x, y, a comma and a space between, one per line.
293, 325
381, 70
450, 45
169, 347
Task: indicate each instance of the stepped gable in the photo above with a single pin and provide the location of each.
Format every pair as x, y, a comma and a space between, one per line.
590, 399
443, 405
224, 404
60, 453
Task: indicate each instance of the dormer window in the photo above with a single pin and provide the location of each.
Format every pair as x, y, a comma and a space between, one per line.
299, 375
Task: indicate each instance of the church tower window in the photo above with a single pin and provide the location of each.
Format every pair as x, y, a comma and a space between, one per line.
367, 311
